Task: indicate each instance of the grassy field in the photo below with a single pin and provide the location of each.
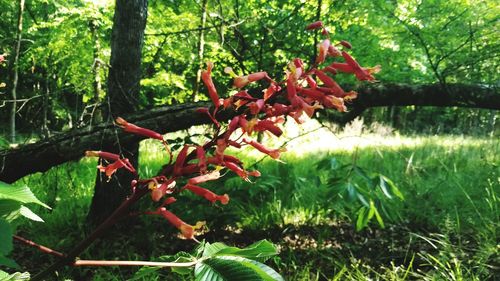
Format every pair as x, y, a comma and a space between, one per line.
446, 228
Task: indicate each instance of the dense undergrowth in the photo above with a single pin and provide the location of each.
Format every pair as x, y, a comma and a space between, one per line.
445, 229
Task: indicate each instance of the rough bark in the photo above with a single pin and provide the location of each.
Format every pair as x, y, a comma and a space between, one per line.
40, 156
124, 77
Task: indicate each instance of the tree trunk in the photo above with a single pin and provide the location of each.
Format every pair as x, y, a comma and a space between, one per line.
15, 78
124, 77
96, 116
69, 146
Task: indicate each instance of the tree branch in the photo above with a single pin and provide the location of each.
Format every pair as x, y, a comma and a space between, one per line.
70, 146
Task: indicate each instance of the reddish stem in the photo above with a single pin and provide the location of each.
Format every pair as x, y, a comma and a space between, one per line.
39, 247
132, 263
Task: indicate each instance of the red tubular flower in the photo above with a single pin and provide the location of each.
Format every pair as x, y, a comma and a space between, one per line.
327, 80
315, 25
256, 107
268, 125
344, 67
110, 169
168, 201
333, 51
361, 74
346, 44
242, 81
311, 82
204, 178
207, 194
187, 230
234, 143
312, 93
278, 109
233, 125
225, 158
190, 169
157, 192
102, 154
202, 159
330, 69
181, 159
291, 91
131, 128
207, 80
334, 102
240, 171
309, 109
220, 147
274, 153
322, 51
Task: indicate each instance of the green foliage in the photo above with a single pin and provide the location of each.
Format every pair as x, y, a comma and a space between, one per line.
12, 199
369, 194
426, 41
218, 261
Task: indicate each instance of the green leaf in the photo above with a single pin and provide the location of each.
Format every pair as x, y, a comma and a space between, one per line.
8, 262
359, 171
179, 257
222, 268
260, 251
395, 190
19, 193
5, 237
18, 276
361, 220
212, 249
377, 215
9, 209
362, 199
351, 191
27, 213
383, 187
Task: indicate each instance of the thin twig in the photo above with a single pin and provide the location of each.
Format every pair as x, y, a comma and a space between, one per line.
132, 263
39, 247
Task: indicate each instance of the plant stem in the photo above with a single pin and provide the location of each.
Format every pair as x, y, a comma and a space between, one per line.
132, 263
39, 247
98, 232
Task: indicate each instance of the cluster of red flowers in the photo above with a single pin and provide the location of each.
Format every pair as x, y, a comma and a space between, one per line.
301, 93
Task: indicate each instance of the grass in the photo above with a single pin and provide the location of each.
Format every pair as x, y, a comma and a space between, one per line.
445, 229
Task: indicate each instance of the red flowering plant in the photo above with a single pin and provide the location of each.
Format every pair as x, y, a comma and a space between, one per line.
305, 89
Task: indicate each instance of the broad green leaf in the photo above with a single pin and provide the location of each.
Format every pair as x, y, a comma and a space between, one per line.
5, 237
222, 268
146, 273
19, 193
261, 251
27, 213
8, 262
212, 249
17, 276
9, 209
179, 257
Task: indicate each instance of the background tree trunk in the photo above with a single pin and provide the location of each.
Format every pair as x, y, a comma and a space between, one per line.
124, 77
15, 78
